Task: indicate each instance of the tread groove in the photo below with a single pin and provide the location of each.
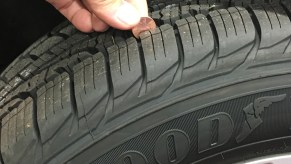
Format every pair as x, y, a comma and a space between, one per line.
73, 98
143, 88
213, 63
180, 67
35, 124
257, 30
110, 104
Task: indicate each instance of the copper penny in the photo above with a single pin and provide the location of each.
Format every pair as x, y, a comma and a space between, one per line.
145, 24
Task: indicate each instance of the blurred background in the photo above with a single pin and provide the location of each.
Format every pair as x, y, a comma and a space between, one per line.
22, 23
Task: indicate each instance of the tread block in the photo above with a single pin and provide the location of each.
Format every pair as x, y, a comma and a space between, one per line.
197, 44
68, 43
2, 84
55, 115
172, 13
27, 72
91, 89
84, 45
275, 29
53, 109
14, 70
159, 46
125, 65
126, 73
4, 92
7, 108
236, 35
160, 4
19, 141
16, 81
46, 45
195, 32
33, 46
160, 55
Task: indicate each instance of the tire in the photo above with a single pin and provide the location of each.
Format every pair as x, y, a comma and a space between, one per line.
207, 86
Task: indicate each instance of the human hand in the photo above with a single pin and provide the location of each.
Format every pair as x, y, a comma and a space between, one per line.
98, 15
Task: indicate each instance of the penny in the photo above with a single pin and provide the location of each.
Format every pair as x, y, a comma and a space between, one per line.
145, 24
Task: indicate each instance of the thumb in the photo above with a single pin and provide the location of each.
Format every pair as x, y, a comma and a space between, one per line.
116, 13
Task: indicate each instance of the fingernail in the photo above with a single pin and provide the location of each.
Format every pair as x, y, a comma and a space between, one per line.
127, 14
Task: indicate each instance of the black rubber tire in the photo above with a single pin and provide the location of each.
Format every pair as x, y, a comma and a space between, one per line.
212, 88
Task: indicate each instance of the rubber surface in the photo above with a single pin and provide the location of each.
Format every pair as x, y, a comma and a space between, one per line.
205, 86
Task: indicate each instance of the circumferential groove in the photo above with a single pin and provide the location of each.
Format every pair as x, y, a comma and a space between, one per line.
61, 70
180, 48
73, 98
258, 31
255, 21
143, 88
35, 123
110, 102
213, 63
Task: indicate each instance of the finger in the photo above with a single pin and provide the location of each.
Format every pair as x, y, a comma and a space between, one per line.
141, 6
98, 24
75, 12
116, 13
